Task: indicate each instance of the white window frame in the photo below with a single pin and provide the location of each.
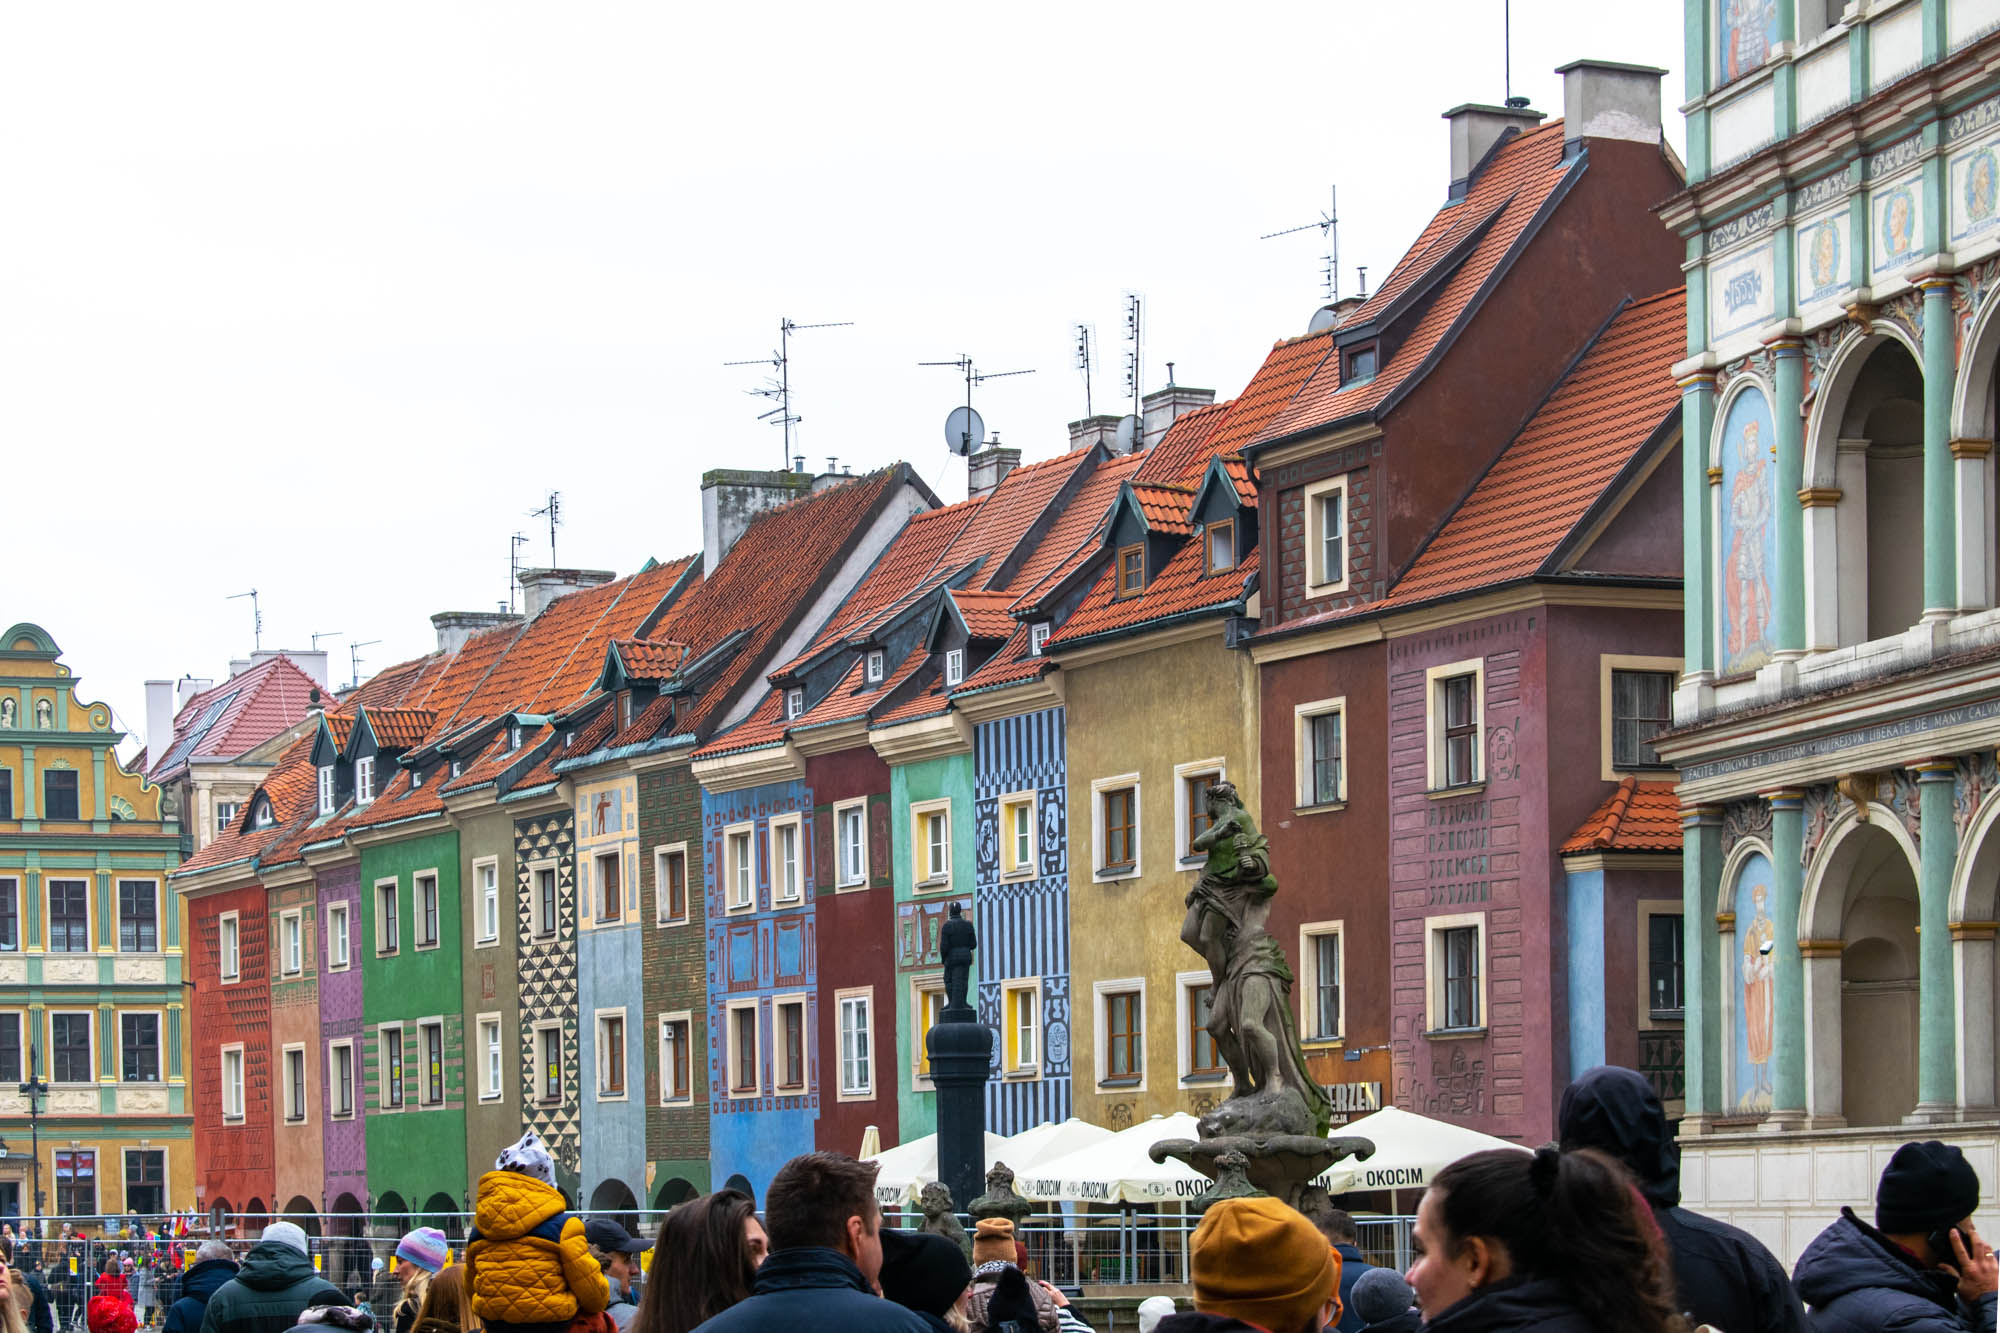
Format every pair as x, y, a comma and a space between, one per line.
304, 1110
1303, 756
734, 901
922, 985
600, 1048
1317, 582
538, 1053
382, 1031
364, 780
1607, 663
865, 996
781, 895
920, 861
339, 957
492, 1055
229, 947
225, 814
874, 667
1434, 724
484, 869
732, 1050
1010, 866
326, 789
1185, 984
795, 703
1308, 994
1184, 807
291, 942
159, 1035
1038, 637
394, 945
1434, 979
667, 1021
780, 1003
237, 1115
1099, 991
333, 1081
1098, 787
417, 910
1019, 1068
538, 927
844, 882
662, 855
954, 666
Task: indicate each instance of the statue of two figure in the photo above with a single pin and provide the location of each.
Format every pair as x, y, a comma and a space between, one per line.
1250, 1014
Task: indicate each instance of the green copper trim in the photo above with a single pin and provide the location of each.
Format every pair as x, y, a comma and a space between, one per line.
1788, 974
1940, 528
1789, 592
1937, 1011
1698, 541
1701, 882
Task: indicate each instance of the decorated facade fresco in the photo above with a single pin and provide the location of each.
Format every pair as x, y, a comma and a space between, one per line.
1823, 254
1748, 30
1747, 528
1756, 936
1897, 222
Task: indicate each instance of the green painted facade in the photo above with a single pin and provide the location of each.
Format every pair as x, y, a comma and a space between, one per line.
913, 785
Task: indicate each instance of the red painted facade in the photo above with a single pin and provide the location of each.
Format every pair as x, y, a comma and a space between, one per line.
235, 1161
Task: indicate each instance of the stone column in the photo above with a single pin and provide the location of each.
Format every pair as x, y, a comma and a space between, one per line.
1972, 942
1788, 1035
1702, 980
1822, 1006
1940, 530
1937, 1016
1697, 526
1851, 531
961, 1051
1788, 596
1969, 463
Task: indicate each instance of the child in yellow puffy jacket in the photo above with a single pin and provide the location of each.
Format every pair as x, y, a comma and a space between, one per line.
529, 1265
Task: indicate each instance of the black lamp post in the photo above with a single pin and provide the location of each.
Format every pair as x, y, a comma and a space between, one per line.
34, 1090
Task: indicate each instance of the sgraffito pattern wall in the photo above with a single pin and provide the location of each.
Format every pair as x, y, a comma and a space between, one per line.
548, 983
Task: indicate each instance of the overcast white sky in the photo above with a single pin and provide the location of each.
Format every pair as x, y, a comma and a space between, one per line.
321, 300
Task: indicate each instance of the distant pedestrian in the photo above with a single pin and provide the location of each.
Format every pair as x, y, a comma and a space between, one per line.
928, 1274
1922, 1268
420, 1256
276, 1282
41, 1309
111, 1282
704, 1261
526, 1259
145, 1285
1383, 1302
1722, 1275
1337, 1225
214, 1264
1258, 1264
995, 1255
826, 1254
617, 1253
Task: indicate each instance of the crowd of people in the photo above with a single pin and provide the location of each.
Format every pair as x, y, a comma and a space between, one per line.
1584, 1235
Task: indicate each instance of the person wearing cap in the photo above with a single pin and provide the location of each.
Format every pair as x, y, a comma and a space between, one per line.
214, 1264
617, 1252
276, 1282
1383, 1302
1722, 1275
1922, 1268
1152, 1310
996, 1251
420, 1256
925, 1273
1259, 1265
527, 1257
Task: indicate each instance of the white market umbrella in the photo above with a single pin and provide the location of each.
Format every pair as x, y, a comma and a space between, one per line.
1409, 1150
1048, 1141
903, 1171
1118, 1169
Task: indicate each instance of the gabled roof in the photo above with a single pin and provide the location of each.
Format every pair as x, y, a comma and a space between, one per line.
292, 787
1448, 268
648, 660
398, 728
237, 716
984, 614
1162, 509
1637, 817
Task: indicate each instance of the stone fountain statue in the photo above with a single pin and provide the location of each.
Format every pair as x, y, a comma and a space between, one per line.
1272, 1131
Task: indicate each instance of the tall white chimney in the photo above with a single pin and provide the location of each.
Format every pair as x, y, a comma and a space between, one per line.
159, 721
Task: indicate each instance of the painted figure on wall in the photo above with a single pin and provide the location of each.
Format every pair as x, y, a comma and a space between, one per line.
1749, 31
1823, 256
1756, 1023
1899, 213
1982, 185
1748, 538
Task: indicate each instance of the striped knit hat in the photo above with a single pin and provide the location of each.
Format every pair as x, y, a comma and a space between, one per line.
425, 1247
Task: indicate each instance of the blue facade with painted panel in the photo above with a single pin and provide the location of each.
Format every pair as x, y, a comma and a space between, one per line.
1023, 912
760, 958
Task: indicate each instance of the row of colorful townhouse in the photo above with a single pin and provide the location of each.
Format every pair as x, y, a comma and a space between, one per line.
658, 871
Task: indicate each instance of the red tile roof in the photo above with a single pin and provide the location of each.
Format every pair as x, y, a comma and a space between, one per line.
1184, 450
399, 728
292, 787
1010, 666
1508, 194
238, 715
1636, 817
650, 659
984, 613
1165, 507
1183, 588
1073, 535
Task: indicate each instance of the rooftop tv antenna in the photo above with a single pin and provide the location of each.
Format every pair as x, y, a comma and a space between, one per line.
553, 509
963, 429
319, 634
779, 390
1134, 339
1083, 338
514, 545
1329, 228
256, 617
354, 660
1507, 53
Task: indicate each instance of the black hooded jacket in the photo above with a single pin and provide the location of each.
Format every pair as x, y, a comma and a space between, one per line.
1722, 1275
1858, 1280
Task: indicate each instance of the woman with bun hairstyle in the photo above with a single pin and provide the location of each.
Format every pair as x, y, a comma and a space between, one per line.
1550, 1241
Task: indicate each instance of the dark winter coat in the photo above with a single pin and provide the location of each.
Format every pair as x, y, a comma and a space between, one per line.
42, 1315
275, 1283
1194, 1321
1407, 1322
1722, 1275
202, 1281
1352, 1266
1517, 1305
1858, 1281
809, 1287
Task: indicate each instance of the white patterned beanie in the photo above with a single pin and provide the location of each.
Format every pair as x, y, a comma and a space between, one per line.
529, 1158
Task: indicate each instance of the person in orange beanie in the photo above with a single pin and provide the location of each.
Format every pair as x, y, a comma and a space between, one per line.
1260, 1266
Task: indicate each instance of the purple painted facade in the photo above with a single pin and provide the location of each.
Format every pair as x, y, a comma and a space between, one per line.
340, 1021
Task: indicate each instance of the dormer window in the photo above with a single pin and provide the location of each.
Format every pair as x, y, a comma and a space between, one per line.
1360, 364
795, 703
457, 767
416, 777
1131, 570
1038, 635
954, 666
1221, 539
364, 780
875, 666
262, 816
326, 789
624, 709
514, 737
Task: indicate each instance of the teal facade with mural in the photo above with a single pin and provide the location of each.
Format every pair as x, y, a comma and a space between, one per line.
919, 792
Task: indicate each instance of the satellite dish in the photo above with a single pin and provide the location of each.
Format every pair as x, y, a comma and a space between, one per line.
962, 430
1323, 319
1129, 427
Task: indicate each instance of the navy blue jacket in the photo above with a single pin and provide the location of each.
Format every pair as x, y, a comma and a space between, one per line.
201, 1282
41, 1315
1859, 1281
1517, 1305
810, 1287
1352, 1266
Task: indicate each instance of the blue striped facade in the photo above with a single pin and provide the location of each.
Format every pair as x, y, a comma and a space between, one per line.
762, 953
1024, 922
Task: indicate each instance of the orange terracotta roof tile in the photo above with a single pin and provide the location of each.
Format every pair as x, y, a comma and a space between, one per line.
292, 787
650, 659
399, 728
1075, 528
984, 613
1010, 666
1165, 507
1184, 450
238, 715
1183, 588
927, 702
1636, 817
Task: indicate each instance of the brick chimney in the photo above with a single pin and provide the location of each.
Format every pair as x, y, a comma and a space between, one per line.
1475, 128
731, 497
539, 587
1162, 407
989, 467
455, 627
1606, 100
1094, 430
